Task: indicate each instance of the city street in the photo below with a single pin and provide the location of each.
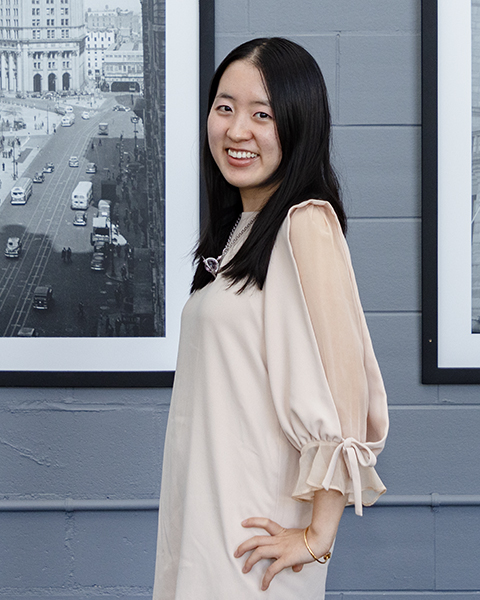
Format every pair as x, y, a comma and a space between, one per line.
86, 303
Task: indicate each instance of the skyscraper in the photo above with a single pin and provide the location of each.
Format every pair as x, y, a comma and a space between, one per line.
153, 14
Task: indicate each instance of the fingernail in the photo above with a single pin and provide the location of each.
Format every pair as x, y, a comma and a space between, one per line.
243, 522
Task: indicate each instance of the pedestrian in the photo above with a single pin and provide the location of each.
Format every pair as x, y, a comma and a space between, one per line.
118, 296
92, 146
69, 255
99, 142
118, 324
278, 408
3, 166
64, 254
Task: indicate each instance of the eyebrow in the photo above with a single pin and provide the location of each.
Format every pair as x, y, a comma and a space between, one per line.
229, 97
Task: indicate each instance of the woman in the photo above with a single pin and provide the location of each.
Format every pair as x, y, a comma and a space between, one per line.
278, 409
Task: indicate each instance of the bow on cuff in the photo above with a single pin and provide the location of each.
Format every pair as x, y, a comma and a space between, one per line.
355, 453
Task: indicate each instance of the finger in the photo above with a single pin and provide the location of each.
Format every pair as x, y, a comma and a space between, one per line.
257, 555
270, 573
270, 526
297, 568
251, 544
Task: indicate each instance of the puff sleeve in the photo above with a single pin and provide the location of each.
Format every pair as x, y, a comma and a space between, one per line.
324, 378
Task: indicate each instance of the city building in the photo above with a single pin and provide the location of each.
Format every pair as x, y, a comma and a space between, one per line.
42, 45
125, 21
123, 67
152, 111
96, 43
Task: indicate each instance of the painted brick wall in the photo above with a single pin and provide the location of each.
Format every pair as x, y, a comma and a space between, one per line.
107, 443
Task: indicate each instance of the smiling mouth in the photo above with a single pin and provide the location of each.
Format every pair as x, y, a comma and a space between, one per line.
241, 154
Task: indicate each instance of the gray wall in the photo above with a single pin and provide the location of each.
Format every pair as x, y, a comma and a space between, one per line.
106, 444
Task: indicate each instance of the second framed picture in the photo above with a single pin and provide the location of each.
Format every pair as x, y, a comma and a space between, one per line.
451, 191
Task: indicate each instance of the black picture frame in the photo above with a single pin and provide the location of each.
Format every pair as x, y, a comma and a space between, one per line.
435, 320
132, 378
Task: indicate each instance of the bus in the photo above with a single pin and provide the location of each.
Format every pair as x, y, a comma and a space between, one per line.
103, 129
82, 195
21, 191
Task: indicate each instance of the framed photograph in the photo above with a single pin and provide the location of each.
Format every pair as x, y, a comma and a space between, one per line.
451, 191
99, 215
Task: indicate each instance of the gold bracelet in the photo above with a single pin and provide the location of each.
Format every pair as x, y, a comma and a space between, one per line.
323, 559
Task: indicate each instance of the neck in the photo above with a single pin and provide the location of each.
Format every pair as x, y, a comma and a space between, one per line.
252, 206
255, 200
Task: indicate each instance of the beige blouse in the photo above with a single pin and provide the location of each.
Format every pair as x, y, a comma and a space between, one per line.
277, 394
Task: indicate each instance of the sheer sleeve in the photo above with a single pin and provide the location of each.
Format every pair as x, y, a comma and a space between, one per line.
336, 416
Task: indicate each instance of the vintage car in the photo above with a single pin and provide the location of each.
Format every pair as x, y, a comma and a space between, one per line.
27, 332
80, 218
91, 168
73, 161
38, 178
49, 168
14, 247
98, 261
42, 297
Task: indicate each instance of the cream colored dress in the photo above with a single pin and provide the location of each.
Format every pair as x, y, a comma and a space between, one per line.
277, 394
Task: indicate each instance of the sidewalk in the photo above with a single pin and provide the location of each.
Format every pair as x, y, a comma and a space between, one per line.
39, 125
38, 120
129, 311
29, 147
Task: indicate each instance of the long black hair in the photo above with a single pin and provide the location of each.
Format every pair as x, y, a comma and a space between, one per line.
298, 96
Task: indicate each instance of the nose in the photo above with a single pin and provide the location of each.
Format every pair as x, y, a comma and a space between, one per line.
239, 129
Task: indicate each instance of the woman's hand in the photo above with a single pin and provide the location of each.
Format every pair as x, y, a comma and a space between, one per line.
285, 546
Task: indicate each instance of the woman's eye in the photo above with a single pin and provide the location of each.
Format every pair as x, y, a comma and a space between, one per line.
262, 115
224, 108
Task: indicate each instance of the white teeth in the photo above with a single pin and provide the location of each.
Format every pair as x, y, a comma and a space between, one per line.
241, 154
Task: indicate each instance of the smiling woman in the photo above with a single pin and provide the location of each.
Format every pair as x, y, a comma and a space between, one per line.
278, 409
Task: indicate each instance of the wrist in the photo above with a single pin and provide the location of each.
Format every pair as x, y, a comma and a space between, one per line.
320, 556
321, 536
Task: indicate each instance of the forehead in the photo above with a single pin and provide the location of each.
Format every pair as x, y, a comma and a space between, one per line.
242, 80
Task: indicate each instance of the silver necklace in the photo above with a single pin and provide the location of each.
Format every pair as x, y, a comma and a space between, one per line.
212, 265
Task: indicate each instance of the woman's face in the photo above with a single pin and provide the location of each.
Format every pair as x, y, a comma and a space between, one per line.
242, 134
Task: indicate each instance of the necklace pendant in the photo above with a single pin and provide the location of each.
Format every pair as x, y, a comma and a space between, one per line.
211, 265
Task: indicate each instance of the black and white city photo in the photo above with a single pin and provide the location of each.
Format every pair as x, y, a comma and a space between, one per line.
82, 219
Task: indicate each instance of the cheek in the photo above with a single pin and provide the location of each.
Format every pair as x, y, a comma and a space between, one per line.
276, 149
213, 135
